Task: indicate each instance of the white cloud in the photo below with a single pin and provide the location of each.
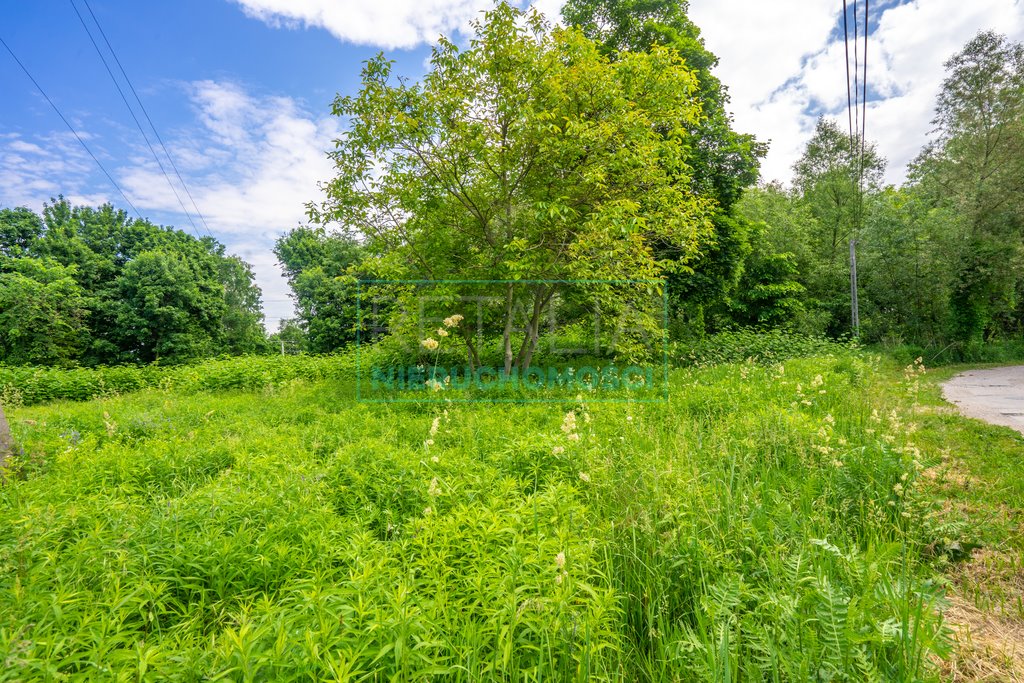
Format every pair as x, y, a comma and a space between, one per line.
387, 23
33, 172
252, 164
384, 23
784, 63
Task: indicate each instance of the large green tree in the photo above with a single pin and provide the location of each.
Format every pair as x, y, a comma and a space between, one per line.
974, 167
722, 161
529, 155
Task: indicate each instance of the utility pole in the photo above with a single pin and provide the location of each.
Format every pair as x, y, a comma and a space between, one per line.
6, 441
854, 303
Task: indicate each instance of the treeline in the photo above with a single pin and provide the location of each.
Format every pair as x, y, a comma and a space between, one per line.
598, 151
940, 258
90, 286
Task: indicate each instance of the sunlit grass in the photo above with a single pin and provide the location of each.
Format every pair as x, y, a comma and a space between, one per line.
765, 524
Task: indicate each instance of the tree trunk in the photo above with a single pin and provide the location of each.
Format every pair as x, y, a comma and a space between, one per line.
525, 355
471, 354
507, 336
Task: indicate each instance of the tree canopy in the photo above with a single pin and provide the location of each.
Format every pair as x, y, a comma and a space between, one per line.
530, 155
89, 285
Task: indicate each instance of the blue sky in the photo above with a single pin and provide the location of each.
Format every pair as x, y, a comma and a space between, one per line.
240, 91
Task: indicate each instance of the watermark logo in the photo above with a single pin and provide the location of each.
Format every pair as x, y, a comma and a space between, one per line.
511, 341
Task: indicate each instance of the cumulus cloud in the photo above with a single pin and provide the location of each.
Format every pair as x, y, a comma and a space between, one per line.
784, 65
252, 164
385, 23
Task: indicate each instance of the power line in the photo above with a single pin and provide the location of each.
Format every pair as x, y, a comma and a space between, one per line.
148, 119
856, 71
849, 94
134, 117
70, 127
864, 99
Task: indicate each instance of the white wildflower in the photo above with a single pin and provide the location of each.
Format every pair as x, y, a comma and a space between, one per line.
569, 423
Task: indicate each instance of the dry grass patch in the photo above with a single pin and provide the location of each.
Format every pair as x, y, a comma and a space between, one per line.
987, 647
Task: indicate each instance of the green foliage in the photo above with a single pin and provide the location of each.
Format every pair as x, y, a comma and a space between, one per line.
973, 169
751, 529
27, 385
723, 162
43, 312
129, 291
321, 270
753, 345
530, 155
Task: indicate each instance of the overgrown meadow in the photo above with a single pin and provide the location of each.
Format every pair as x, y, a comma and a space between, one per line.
764, 524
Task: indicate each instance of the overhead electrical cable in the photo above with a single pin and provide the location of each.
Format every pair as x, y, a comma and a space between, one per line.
70, 127
149, 120
135, 118
849, 92
864, 98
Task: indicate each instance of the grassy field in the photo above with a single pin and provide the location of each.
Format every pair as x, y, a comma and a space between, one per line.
780, 522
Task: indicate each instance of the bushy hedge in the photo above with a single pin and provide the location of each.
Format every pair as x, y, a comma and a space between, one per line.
769, 346
28, 385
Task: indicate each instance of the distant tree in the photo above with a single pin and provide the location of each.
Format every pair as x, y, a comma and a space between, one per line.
826, 178
529, 155
242, 321
290, 337
321, 269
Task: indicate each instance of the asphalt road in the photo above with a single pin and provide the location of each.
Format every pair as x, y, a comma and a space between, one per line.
995, 395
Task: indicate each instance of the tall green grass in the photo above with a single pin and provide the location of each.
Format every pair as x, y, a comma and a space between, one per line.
764, 525
30, 385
